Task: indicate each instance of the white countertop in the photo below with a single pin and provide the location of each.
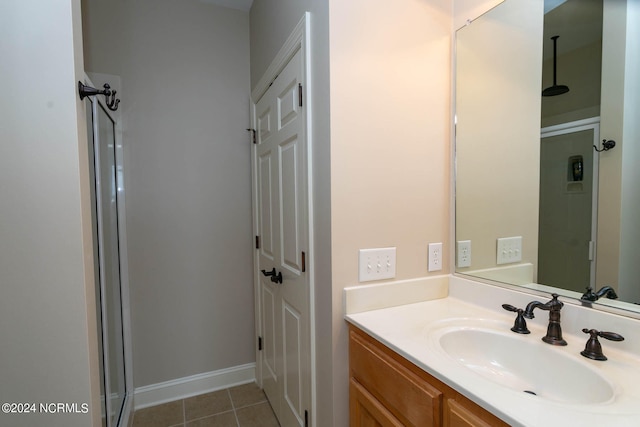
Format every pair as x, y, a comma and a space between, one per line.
406, 329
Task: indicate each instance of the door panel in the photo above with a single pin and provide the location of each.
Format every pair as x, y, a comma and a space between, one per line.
269, 321
264, 125
291, 253
283, 229
292, 356
265, 213
288, 104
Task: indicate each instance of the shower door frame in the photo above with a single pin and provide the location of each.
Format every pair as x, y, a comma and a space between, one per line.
592, 123
127, 405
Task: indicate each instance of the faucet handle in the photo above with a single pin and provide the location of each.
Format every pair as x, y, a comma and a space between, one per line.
593, 349
520, 325
555, 301
589, 295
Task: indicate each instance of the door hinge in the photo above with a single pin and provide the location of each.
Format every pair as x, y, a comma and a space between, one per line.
300, 94
304, 262
257, 242
306, 418
259, 343
253, 135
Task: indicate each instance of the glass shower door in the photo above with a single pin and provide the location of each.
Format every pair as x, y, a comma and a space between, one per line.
102, 151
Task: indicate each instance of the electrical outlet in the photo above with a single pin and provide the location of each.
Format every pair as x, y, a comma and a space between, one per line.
435, 256
377, 264
509, 250
463, 253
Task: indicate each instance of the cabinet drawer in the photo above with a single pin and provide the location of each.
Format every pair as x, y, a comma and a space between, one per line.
408, 397
461, 412
366, 411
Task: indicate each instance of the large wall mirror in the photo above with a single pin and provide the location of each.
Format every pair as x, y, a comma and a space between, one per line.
540, 200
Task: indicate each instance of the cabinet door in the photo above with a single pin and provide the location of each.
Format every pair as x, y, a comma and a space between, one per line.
411, 400
366, 411
457, 415
387, 390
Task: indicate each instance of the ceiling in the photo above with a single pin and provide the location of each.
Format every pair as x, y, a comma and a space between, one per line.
577, 22
243, 5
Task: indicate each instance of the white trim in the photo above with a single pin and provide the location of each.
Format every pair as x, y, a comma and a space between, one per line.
305, 27
574, 126
180, 388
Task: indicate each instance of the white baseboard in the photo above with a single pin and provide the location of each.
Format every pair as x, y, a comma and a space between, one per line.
155, 394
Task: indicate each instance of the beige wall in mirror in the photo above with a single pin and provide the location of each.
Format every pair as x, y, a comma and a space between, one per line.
498, 76
525, 164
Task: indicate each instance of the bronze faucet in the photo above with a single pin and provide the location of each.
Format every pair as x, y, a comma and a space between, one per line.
606, 291
554, 331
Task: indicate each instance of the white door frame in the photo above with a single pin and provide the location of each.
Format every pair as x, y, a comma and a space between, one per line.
299, 40
578, 126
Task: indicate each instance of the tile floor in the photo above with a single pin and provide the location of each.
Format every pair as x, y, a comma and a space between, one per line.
241, 406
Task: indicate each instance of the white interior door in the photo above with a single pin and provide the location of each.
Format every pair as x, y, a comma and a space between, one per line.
568, 206
282, 223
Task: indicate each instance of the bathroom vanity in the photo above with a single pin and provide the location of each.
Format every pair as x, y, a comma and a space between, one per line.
454, 361
387, 389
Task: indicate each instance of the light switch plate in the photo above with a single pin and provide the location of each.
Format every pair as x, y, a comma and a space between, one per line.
377, 264
509, 250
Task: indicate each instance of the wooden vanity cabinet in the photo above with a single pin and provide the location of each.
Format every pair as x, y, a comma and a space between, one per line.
385, 389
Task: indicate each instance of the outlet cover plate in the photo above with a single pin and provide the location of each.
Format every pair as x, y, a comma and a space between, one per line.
377, 264
435, 256
463, 253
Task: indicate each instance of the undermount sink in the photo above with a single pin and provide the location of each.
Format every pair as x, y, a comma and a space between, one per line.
524, 364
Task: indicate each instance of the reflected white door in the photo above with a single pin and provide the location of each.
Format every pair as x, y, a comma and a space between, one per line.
282, 222
568, 208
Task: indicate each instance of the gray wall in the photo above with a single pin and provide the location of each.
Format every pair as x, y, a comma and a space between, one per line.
272, 21
185, 106
47, 326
